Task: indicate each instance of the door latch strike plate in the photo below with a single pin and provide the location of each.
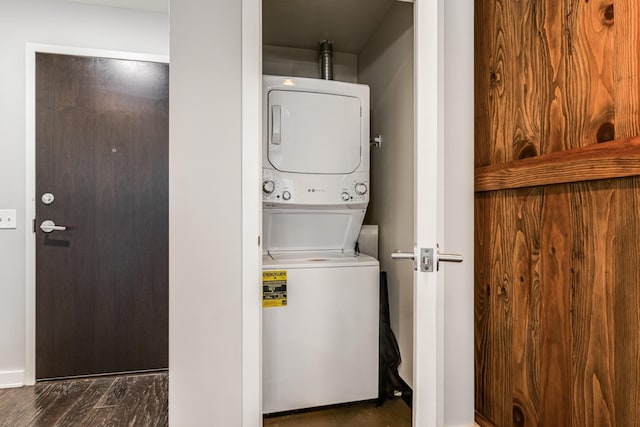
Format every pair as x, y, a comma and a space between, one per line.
426, 259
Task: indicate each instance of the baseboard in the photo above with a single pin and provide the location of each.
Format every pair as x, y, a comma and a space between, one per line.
9, 379
407, 396
407, 393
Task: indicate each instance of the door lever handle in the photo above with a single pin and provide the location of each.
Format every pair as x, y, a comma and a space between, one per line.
408, 256
427, 261
398, 255
48, 226
450, 257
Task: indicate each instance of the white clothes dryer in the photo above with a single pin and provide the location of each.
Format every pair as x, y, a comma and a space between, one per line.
315, 148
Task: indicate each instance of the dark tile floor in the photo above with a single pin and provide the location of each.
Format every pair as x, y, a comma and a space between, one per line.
131, 400
141, 401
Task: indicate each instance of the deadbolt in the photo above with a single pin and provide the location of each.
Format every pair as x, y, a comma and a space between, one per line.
48, 198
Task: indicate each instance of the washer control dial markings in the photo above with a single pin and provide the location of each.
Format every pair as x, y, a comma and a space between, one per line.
361, 189
268, 186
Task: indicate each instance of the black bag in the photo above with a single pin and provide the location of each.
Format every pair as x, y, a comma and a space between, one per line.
389, 380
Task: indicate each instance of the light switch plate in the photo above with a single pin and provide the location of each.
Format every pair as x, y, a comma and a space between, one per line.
7, 218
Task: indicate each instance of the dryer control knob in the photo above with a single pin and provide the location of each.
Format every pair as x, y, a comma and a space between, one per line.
286, 195
361, 188
345, 196
268, 186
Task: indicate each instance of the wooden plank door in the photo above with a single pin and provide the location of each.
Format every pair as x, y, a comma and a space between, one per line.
102, 152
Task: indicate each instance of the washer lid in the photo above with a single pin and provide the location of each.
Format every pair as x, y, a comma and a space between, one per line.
286, 230
309, 132
311, 259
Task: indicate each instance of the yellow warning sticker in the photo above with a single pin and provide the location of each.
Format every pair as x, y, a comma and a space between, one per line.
274, 288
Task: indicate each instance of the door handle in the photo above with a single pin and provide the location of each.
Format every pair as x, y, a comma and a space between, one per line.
426, 259
399, 255
450, 257
48, 226
402, 256
276, 122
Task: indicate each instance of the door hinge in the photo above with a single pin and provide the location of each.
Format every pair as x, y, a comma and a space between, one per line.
33, 223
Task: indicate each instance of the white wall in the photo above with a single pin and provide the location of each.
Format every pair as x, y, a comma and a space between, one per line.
206, 215
57, 23
386, 65
295, 62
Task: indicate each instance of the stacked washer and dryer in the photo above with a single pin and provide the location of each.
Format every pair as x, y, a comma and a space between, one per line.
320, 297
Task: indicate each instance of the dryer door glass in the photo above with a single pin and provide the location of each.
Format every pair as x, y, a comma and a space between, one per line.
313, 132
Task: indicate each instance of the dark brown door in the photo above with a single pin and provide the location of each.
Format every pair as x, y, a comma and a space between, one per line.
102, 152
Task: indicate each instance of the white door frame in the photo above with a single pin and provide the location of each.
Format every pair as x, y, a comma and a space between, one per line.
428, 291
458, 152
428, 405
444, 380
30, 155
251, 213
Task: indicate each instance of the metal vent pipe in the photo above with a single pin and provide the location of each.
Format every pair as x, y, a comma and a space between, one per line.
326, 60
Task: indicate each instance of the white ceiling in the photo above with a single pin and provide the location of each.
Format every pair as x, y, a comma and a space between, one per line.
304, 23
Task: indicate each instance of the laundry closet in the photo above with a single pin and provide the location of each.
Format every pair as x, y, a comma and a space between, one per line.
372, 45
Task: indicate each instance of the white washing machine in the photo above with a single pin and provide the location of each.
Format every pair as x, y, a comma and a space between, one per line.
321, 348
320, 298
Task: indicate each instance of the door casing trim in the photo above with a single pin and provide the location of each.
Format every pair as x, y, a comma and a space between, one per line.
30, 182
251, 212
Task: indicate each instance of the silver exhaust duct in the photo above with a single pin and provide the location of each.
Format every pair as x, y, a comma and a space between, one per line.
326, 60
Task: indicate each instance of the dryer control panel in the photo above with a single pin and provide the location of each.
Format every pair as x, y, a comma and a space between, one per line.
315, 190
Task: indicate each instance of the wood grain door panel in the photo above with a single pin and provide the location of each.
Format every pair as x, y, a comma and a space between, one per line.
102, 150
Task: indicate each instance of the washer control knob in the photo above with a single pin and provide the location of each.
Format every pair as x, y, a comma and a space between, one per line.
361, 188
345, 196
286, 195
268, 186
